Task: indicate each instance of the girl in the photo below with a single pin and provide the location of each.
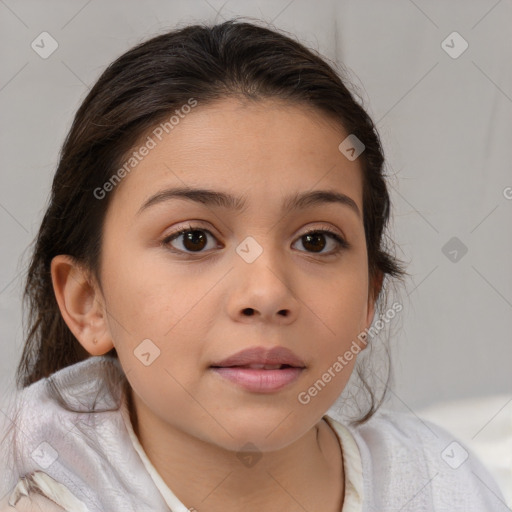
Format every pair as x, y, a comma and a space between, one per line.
203, 282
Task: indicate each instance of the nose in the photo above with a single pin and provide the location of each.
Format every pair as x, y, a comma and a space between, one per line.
263, 291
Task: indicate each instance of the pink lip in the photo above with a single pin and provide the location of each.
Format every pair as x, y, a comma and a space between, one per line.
262, 355
260, 380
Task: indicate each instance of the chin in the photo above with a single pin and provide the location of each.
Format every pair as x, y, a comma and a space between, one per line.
263, 433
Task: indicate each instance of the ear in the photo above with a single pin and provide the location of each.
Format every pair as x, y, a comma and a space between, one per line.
373, 293
81, 305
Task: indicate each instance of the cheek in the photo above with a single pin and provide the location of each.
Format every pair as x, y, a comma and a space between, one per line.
342, 309
152, 323
341, 304
146, 295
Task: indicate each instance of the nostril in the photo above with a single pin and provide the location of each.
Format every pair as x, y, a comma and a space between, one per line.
248, 311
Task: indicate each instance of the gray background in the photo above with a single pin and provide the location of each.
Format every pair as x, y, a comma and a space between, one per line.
445, 124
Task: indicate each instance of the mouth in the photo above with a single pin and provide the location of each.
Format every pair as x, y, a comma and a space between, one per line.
259, 366
260, 370
262, 358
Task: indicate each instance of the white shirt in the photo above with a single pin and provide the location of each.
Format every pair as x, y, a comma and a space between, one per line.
92, 461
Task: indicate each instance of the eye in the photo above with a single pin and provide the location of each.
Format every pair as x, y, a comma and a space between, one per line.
194, 239
314, 241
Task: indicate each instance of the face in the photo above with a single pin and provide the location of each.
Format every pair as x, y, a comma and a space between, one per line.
239, 278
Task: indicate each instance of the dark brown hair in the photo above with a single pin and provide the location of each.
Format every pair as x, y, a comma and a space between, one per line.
140, 89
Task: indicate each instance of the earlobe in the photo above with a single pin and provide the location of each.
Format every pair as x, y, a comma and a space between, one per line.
80, 304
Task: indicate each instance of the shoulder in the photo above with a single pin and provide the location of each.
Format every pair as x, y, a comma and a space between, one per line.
82, 400
410, 463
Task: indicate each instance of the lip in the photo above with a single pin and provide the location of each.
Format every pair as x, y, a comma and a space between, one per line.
260, 380
262, 355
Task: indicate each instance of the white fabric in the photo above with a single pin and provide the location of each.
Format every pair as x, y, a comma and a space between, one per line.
485, 425
58, 496
352, 466
398, 464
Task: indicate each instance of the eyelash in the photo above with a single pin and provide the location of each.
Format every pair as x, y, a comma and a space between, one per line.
341, 242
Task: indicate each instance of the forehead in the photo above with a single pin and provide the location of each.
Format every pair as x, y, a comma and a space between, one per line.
261, 150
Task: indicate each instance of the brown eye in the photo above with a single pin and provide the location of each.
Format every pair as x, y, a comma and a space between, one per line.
315, 241
194, 240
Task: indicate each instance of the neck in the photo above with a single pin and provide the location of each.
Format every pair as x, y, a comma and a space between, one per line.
305, 475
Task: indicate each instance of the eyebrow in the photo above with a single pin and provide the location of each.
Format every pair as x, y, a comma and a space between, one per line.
225, 200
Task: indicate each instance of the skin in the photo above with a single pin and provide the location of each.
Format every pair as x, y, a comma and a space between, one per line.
191, 422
